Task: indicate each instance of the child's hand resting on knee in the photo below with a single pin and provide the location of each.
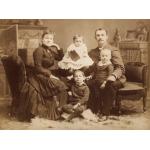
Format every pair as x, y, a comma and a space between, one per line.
77, 105
103, 85
70, 93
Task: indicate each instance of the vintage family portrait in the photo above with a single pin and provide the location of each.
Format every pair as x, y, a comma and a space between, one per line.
74, 74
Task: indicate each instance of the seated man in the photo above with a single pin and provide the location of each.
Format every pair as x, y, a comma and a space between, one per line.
115, 80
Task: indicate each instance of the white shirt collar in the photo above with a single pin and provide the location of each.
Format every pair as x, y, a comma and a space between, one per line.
104, 64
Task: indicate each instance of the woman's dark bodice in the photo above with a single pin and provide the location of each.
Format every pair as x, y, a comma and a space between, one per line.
44, 59
47, 59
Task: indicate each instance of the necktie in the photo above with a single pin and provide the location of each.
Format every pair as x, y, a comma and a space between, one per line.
100, 48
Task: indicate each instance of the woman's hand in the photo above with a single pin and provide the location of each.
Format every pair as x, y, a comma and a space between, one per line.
56, 101
54, 77
54, 44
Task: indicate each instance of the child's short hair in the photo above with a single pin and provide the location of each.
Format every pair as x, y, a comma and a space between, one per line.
77, 36
106, 51
78, 71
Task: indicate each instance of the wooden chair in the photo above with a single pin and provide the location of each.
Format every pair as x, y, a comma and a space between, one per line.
136, 85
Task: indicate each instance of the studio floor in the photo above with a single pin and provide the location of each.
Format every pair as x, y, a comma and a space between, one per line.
132, 118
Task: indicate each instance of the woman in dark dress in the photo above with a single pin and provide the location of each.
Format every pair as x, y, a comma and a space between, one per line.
51, 88
51, 91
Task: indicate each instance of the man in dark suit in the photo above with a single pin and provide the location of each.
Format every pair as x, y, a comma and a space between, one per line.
115, 80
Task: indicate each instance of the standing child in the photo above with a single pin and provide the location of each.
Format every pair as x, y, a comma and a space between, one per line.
101, 72
78, 96
76, 56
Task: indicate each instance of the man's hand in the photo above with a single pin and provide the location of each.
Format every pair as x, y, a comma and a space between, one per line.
3, 55
111, 78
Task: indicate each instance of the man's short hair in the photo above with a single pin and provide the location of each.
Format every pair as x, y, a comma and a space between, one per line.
101, 29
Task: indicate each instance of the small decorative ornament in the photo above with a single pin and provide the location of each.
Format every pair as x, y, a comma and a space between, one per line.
117, 38
39, 22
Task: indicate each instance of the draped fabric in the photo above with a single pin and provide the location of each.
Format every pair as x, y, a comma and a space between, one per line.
32, 93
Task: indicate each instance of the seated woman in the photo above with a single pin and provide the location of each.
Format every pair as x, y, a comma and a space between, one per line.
51, 92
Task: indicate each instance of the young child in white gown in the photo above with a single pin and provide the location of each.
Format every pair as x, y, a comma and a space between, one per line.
76, 56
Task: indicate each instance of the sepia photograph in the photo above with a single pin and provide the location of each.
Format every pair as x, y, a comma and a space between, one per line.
74, 74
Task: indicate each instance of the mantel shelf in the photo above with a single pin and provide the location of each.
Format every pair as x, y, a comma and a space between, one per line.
28, 27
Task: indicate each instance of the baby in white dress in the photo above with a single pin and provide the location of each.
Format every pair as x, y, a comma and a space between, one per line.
76, 56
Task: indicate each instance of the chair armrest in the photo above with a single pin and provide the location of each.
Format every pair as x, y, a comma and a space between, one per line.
137, 72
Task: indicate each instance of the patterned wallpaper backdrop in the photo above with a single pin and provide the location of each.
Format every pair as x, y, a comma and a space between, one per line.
65, 29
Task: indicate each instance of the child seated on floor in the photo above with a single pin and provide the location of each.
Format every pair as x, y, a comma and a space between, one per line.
76, 56
78, 97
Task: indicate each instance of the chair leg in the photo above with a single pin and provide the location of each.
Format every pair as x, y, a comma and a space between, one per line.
144, 103
144, 100
14, 106
118, 104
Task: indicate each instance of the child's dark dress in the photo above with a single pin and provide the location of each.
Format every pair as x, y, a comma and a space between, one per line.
100, 74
